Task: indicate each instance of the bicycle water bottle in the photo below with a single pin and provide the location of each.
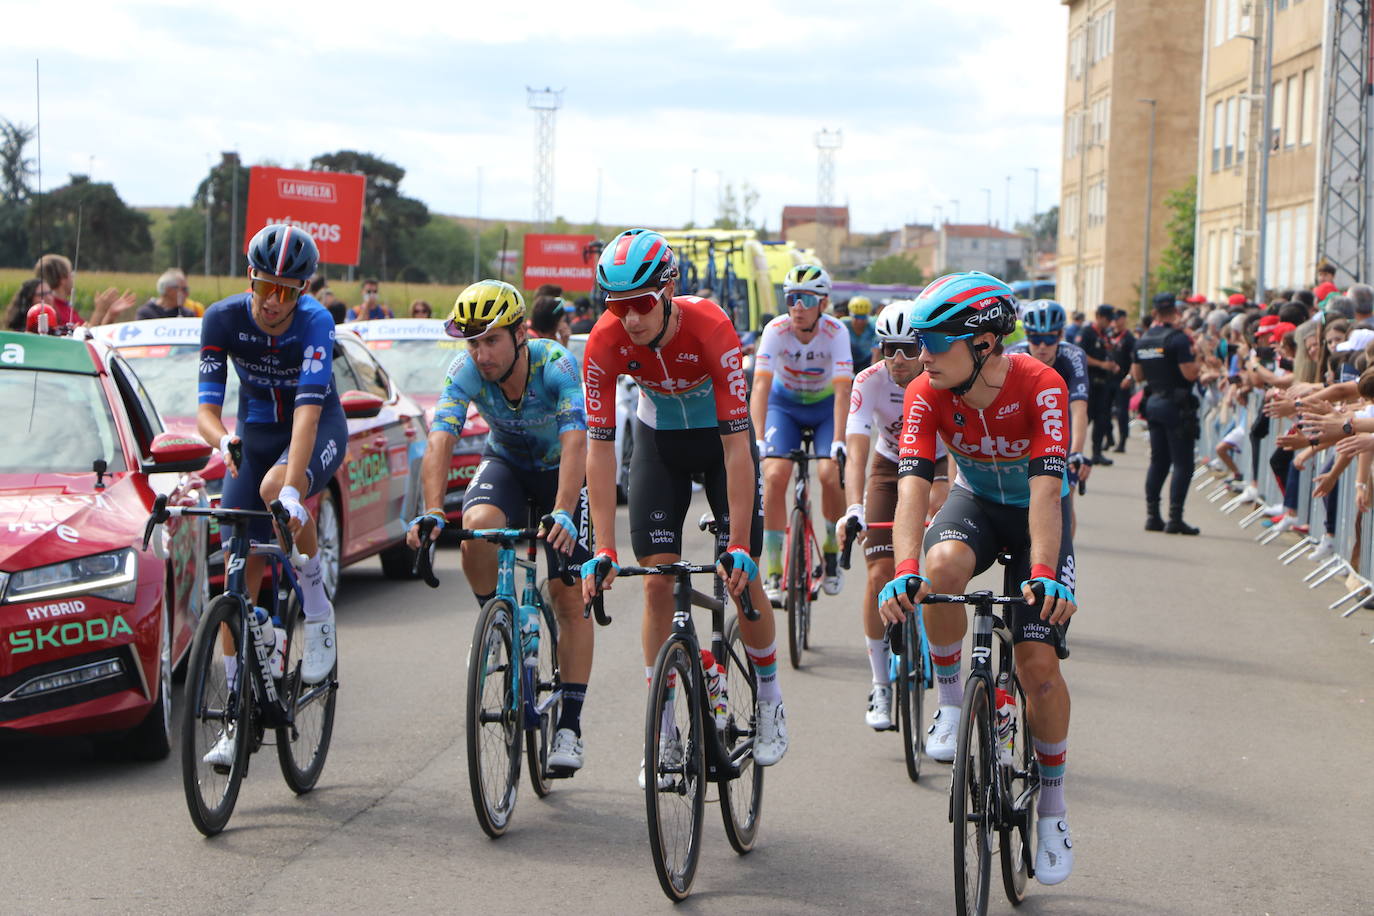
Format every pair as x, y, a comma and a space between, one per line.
529, 631
271, 638
715, 687
1006, 721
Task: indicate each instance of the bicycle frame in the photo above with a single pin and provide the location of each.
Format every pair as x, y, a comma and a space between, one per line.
801, 499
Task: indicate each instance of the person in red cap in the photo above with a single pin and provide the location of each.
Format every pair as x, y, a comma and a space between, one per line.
1236, 300
1196, 299
1322, 290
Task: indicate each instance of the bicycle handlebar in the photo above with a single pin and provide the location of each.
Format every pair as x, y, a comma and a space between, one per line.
725, 561
280, 517
1061, 646
424, 557
851, 534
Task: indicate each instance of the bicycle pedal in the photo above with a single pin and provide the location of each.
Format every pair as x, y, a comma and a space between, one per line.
560, 773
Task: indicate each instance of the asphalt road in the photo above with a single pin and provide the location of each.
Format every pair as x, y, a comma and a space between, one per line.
1219, 762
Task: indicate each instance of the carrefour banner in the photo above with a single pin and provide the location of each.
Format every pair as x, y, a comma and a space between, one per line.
328, 205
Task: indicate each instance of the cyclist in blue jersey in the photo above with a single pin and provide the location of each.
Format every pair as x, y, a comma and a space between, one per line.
290, 423
529, 393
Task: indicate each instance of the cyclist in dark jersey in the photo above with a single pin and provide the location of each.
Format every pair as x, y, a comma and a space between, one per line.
290, 422
1002, 418
692, 418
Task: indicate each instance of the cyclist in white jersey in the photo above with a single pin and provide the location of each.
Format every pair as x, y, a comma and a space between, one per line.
803, 372
875, 417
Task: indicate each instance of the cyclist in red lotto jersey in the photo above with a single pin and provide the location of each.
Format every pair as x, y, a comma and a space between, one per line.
692, 418
1005, 422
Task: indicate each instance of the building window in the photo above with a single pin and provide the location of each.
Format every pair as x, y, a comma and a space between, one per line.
1218, 129
1230, 132
1076, 56
1242, 128
1276, 116
1309, 105
1290, 124
1071, 215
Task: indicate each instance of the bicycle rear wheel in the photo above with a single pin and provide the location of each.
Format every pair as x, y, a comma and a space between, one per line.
547, 683
741, 798
1020, 779
971, 798
214, 708
493, 717
675, 766
911, 696
303, 746
798, 600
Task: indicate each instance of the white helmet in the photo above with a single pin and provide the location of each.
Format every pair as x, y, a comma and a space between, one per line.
893, 324
807, 278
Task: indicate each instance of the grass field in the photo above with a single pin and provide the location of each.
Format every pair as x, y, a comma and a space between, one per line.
210, 289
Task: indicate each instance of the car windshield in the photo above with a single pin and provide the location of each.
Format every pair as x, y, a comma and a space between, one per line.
172, 376
56, 422
416, 366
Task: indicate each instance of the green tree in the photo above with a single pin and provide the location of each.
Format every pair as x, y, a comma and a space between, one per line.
440, 252
894, 268
16, 171
1175, 269
390, 219
737, 207
181, 243
113, 236
214, 195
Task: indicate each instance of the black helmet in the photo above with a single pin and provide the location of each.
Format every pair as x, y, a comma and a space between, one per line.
284, 251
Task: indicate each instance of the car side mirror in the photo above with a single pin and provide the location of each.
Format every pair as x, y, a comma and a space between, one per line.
360, 405
177, 453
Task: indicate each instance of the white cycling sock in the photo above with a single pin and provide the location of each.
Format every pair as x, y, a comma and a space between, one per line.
231, 669
316, 602
879, 661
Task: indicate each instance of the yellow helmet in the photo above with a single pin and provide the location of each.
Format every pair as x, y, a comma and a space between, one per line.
484, 305
860, 305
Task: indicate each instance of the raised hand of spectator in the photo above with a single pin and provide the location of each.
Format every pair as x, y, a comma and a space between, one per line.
1362, 495
1280, 406
109, 303
1325, 483
1320, 427
1353, 446
1315, 407
1293, 440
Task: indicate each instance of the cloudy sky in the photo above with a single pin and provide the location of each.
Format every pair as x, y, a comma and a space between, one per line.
937, 99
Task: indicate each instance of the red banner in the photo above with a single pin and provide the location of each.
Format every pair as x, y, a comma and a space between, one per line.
328, 205
563, 260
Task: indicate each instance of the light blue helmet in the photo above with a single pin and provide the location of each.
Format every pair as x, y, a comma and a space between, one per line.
1043, 316
635, 258
971, 302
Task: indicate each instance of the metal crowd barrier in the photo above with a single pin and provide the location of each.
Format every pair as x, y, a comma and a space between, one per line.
1352, 555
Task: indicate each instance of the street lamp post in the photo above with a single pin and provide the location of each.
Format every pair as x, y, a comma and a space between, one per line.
988, 192
1035, 213
956, 211
1149, 201
693, 220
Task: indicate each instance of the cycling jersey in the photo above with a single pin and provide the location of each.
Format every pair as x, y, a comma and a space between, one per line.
1071, 364
1023, 433
277, 373
861, 343
526, 434
694, 381
876, 400
805, 373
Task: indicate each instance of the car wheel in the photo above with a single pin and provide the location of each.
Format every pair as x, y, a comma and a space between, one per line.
152, 738
330, 546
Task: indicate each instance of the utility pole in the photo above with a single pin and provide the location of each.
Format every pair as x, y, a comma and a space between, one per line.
1149, 202
1035, 212
827, 141
209, 211
477, 233
988, 192
1006, 215
232, 160
692, 221
545, 104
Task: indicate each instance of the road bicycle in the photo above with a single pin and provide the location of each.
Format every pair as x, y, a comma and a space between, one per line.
910, 670
803, 564
259, 698
514, 686
699, 726
996, 778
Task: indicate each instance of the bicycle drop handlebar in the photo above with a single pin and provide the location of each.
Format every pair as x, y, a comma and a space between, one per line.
678, 569
281, 520
987, 599
424, 557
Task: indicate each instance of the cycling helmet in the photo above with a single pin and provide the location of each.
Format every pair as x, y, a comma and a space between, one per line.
1043, 316
484, 305
634, 259
860, 305
892, 324
284, 251
963, 303
36, 314
807, 278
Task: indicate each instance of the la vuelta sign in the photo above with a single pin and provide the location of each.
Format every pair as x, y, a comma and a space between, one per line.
328, 205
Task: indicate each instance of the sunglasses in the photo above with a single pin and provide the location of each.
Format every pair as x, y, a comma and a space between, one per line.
470, 331
904, 349
639, 303
802, 300
1042, 340
936, 342
285, 292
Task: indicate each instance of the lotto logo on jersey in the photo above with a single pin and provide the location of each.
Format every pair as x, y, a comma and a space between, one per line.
1000, 447
915, 413
314, 359
735, 380
595, 376
1051, 414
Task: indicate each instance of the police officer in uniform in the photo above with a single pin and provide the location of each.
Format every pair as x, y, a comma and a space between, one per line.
1164, 361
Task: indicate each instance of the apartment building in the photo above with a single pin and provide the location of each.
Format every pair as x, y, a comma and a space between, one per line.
977, 247
1233, 136
1121, 54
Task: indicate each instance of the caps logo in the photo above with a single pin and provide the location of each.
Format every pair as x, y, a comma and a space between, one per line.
315, 191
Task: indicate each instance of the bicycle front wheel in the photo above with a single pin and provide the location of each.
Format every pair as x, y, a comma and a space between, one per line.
971, 797
741, 798
216, 720
1020, 784
798, 588
546, 684
303, 746
911, 696
675, 766
493, 717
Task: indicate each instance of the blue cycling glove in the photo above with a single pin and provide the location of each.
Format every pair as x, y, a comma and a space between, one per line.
589, 567
565, 521
898, 586
1052, 588
743, 561
437, 516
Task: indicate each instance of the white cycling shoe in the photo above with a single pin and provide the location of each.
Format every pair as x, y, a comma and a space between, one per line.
834, 575
1053, 850
879, 715
221, 756
770, 733
566, 751
942, 740
670, 753
772, 587
320, 650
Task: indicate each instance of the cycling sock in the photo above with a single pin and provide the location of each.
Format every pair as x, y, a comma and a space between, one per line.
879, 660
648, 674
772, 552
830, 545
949, 678
231, 669
766, 668
1051, 757
315, 602
483, 599
571, 714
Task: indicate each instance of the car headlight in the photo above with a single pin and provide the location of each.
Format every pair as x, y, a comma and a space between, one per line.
470, 445
112, 575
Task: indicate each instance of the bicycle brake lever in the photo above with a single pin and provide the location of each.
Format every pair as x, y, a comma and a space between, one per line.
727, 563
155, 518
851, 528
424, 557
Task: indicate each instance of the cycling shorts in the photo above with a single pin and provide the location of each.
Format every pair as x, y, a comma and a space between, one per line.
661, 469
516, 492
880, 503
786, 420
990, 529
266, 445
